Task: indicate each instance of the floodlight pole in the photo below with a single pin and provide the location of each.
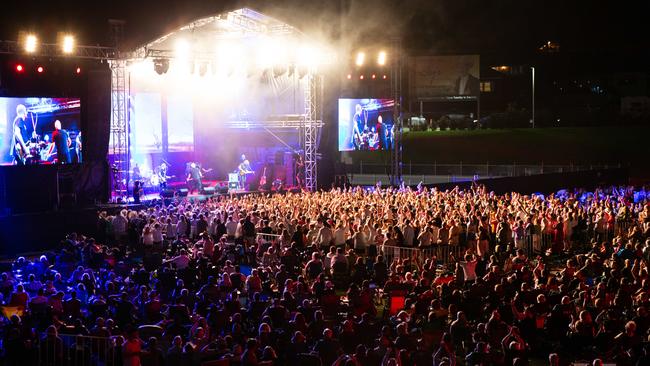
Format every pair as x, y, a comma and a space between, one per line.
396, 88
532, 68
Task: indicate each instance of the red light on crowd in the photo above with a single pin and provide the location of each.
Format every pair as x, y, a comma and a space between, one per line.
360, 77
40, 69
78, 70
19, 68
349, 76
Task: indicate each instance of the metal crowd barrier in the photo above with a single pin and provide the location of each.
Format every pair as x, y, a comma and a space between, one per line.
262, 238
442, 253
78, 350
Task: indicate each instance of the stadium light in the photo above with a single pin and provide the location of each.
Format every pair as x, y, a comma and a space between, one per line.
67, 43
361, 58
381, 58
30, 43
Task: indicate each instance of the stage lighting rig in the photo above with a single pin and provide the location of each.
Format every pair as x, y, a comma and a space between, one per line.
161, 65
203, 69
28, 41
381, 58
66, 42
361, 58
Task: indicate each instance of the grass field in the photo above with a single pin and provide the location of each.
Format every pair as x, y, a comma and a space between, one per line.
548, 145
552, 146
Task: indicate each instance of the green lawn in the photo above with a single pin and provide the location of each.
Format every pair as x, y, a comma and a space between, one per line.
552, 146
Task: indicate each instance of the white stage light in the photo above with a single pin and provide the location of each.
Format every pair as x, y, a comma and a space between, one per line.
381, 58
31, 43
361, 58
67, 43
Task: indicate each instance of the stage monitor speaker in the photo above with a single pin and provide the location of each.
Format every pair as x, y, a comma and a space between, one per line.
167, 193
208, 190
183, 192
233, 185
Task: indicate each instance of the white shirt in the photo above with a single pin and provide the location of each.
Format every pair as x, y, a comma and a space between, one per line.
339, 236
171, 231
231, 228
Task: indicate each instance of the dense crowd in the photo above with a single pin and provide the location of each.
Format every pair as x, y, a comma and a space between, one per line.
301, 279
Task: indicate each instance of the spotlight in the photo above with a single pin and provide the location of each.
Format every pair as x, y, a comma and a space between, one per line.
78, 70
19, 68
374, 76
161, 65
40, 69
279, 71
361, 58
203, 68
30, 43
67, 43
360, 77
384, 77
349, 76
381, 58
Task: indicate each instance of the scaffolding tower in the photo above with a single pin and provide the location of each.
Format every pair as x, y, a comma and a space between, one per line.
396, 89
120, 151
119, 129
313, 123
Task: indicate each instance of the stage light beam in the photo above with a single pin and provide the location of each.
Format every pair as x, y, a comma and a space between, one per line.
361, 58
381, 58
182, 49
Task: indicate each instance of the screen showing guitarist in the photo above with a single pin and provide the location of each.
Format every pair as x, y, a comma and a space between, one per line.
359, 127
244, 169
19, 148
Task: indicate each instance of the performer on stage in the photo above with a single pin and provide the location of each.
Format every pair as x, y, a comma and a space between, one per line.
62, 142
195, 178
162, 175
359, 126
19, 150
244, 169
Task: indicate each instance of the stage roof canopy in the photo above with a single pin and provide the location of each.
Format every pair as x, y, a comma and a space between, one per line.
203, 34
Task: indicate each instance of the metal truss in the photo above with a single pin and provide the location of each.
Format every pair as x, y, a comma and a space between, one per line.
313, 123
54, 50
396, 89
119, 129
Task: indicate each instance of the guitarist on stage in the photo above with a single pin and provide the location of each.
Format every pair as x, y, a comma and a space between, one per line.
19, 148
162, 175
244, 169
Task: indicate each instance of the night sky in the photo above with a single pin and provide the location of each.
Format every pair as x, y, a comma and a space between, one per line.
458, 26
